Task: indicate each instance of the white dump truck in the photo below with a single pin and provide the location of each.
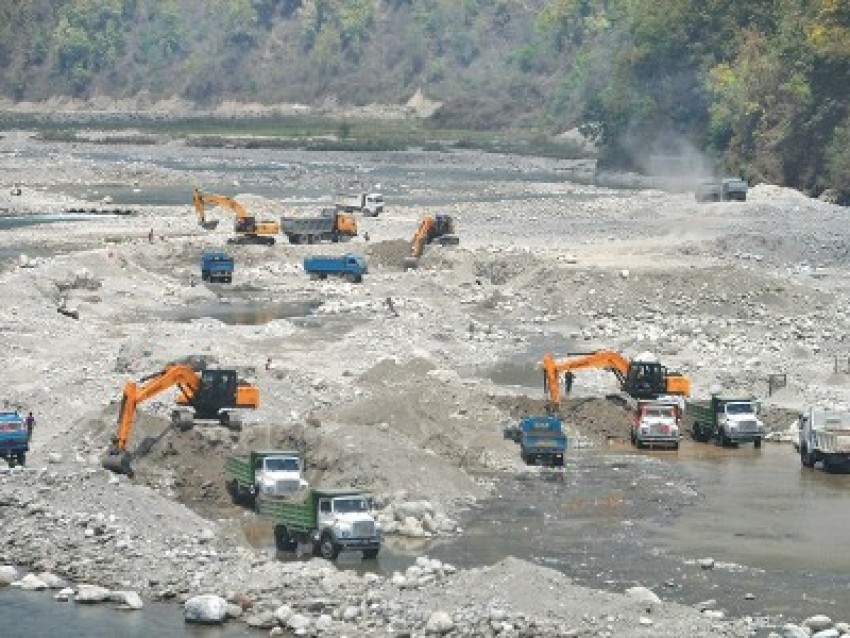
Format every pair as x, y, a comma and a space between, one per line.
265, 473
657, 423
370, 204
825, 437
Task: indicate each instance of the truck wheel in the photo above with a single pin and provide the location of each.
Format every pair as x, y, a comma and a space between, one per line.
282, 540
757, 443
22, 458
351, 277
232, 488
256, 500
806, 457
370, 554
328, 549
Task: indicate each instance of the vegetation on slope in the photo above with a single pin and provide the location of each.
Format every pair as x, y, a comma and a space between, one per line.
761, 85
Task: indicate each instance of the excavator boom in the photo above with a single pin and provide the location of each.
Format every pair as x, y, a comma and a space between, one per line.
246, 226
640, 378
209, 392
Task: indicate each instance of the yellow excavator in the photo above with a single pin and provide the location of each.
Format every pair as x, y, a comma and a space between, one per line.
439, 229
248, 229
210, 394
641, 378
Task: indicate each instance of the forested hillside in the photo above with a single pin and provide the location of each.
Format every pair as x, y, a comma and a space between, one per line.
762, 85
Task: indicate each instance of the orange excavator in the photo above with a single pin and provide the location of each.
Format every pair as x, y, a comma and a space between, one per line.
641, 378
247, 228
439, 228
206, 395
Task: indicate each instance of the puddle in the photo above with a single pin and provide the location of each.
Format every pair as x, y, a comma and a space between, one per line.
245, 313
523, 369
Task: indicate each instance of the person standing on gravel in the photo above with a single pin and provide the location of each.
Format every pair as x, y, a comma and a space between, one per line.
29, 421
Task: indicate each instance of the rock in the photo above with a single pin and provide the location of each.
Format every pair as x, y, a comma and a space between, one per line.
818, 622
233, 610
64, 594
282, 614
52, 580
262, 620
30, 582
827, 633
127, 599
439, 622
205, 609
794, 631
351, 613
298, 622
714, 614
8, 575
706, 563
91, 594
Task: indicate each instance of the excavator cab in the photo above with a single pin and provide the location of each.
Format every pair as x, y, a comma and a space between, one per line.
645, 380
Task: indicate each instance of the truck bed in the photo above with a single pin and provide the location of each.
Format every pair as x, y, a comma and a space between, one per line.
296, 516
239, 468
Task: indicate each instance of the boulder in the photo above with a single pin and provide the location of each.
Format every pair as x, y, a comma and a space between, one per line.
206, 609
91, 594
8, 575
439, 622
127, 599
30, 582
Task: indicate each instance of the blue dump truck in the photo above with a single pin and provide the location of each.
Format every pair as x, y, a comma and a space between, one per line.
14, 438
350, 266
216, 267
541, 440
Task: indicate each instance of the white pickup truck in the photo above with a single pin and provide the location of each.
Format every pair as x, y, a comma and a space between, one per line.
825, 437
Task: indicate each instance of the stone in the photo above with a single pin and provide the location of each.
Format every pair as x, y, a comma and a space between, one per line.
818, 622
205, 609
30, 582
127, 599
439, 622
643, 594
8, 575
91, 594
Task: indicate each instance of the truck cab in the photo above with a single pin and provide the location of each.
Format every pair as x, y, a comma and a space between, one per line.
824, 435
373, 204
542, 441
279, 474
216, 266
656, 424
14, 438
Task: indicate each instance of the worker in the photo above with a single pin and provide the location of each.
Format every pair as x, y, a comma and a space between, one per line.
150, 236
568, 381
391, 306
30, 423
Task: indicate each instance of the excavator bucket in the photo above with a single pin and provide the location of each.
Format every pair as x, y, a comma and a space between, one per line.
119, 463
411, 263
209, 225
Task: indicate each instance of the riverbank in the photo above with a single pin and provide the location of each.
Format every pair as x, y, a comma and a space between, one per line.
400, 403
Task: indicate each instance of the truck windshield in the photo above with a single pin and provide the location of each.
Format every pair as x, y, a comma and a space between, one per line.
282, 465
659, 413
740, 408
349, 505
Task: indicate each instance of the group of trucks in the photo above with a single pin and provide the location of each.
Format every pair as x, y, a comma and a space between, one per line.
325, 522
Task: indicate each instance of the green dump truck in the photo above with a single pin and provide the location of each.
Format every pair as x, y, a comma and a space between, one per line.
328, 521
264, 474
727, 419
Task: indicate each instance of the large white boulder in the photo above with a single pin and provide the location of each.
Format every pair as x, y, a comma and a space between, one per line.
206, 609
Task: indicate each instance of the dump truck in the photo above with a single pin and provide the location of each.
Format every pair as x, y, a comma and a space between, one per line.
723, 190
264, 473
327, 521
370, 204
14, 438
727, 419
656, 423
542, 441
329, 225
216, 267
351, 266
824, 436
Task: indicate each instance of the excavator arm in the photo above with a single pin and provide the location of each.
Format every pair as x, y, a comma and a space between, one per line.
200, 200
246, 224
175, 375
605, 359
420, 238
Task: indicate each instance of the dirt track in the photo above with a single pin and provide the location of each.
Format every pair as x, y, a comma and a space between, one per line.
399, 398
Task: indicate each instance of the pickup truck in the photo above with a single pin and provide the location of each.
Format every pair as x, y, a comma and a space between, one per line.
262, 474
825, 437
726, 419
14, 438
216, 266
656, 423
330, 225
541, 440
727, 189
370, 204
328, 521
350, 266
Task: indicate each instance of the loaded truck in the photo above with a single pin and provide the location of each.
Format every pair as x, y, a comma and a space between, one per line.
328, 521
330, 225
727, 420
725, 190
14, 438
350, 266
656, 423
541, 440
825, 437
370, 204
216, 267
262, 474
